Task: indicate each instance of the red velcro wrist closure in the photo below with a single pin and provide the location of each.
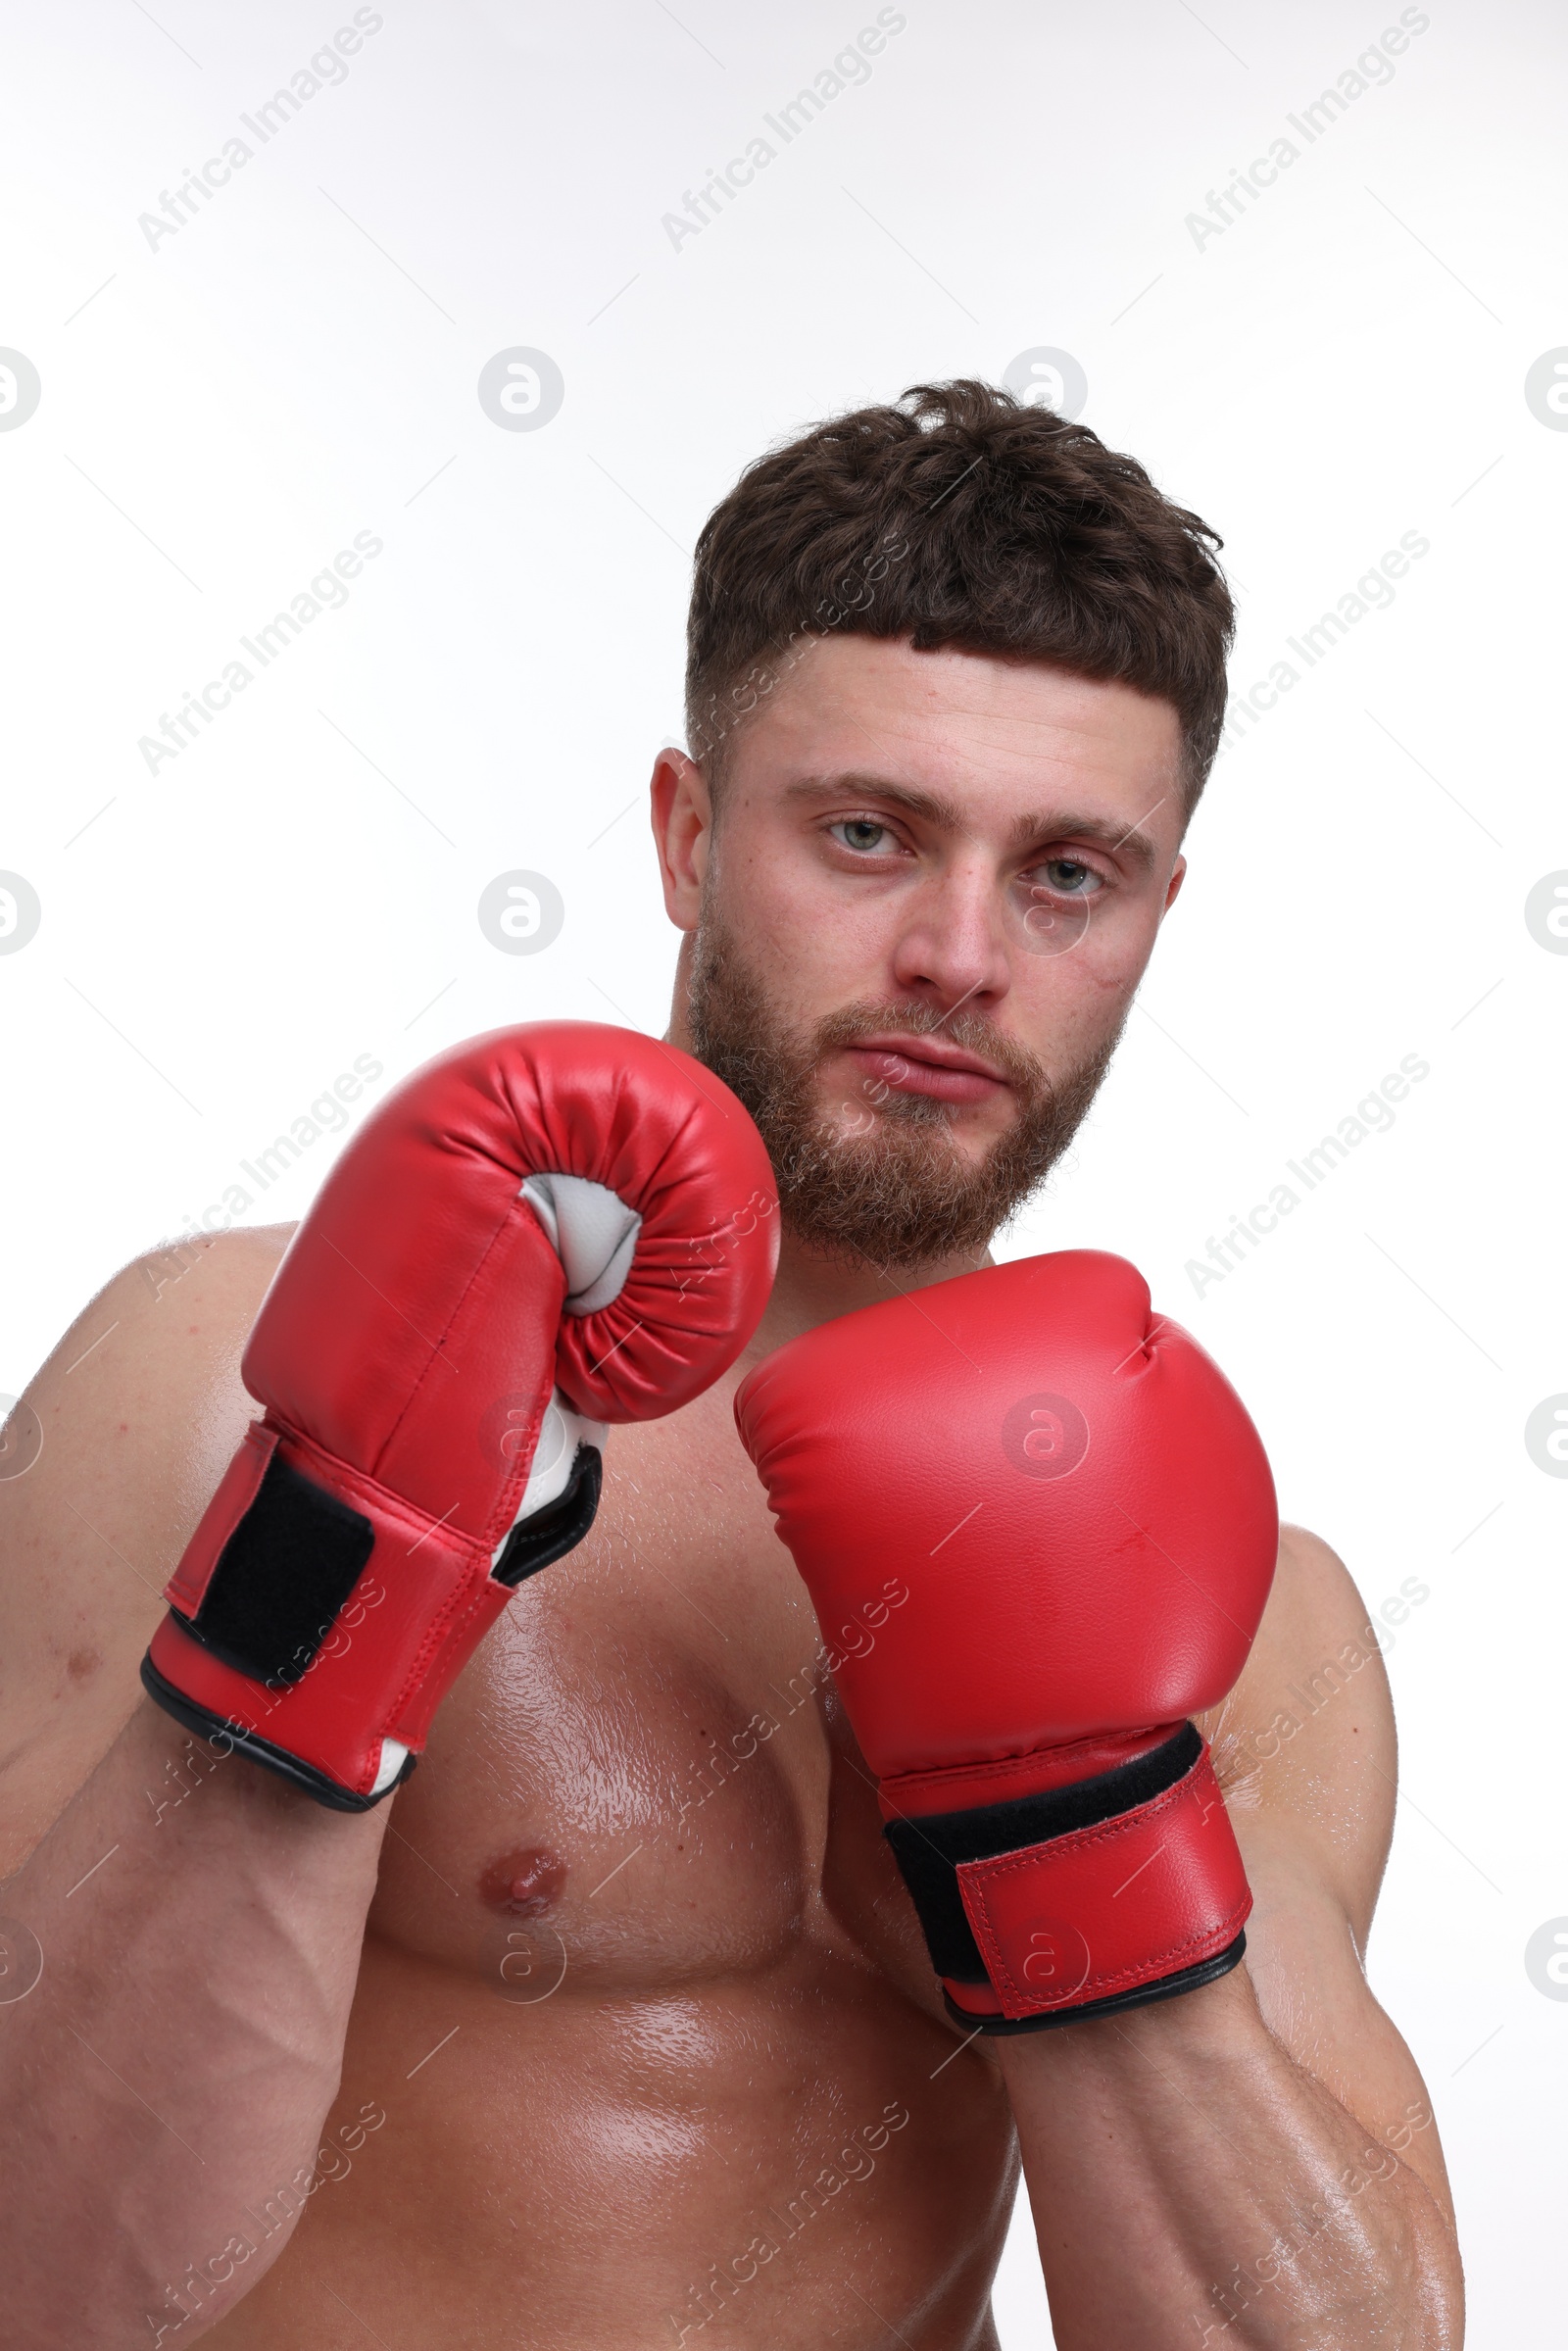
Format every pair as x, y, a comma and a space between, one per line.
1104, 1910
237, 1489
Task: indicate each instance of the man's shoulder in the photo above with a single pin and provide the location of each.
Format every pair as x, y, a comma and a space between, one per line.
134, 1387
1317, 1641
217, 1268
1315, 1599
159, 1336
116, 1447
1305, 1741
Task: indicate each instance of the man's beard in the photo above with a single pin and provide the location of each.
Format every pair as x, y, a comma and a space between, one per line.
895, 1189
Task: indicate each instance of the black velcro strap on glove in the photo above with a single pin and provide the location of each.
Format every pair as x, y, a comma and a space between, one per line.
283, 1577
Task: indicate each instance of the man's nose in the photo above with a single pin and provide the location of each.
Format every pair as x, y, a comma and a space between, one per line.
952, 949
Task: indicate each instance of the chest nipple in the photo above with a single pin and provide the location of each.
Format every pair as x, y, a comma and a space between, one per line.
525, 1884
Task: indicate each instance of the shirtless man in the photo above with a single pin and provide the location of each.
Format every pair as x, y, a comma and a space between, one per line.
615, 2025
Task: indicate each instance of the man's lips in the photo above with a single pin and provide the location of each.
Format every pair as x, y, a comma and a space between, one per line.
927, 1065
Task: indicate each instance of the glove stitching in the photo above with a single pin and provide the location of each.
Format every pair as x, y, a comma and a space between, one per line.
465, 1596
1193, 1947
984, 1874
1006, 1767
378, 1501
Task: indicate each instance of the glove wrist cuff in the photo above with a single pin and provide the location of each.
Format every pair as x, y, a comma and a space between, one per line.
316, 1620
1110, 1890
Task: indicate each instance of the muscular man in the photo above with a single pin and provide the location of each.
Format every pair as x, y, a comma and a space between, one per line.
616, 2024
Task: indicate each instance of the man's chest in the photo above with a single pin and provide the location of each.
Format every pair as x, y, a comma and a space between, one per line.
642, 1780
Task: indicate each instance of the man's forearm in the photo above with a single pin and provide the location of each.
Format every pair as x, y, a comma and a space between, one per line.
198, 1925
1194, 2186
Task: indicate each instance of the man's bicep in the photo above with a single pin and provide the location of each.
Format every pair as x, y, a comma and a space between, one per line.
1306, 1752
117, 1445
1305, 1966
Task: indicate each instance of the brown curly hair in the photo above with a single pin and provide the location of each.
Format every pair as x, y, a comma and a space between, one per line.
957, 517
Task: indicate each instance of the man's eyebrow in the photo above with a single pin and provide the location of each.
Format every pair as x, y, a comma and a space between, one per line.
1130, 842
916, 803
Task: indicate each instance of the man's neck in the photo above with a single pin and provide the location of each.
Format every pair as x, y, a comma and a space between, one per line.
812, 1287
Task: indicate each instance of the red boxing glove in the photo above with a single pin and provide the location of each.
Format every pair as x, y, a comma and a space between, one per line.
545, 1229
1083, 1517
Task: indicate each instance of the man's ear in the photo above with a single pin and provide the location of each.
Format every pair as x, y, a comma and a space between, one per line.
1178, 874
682, 820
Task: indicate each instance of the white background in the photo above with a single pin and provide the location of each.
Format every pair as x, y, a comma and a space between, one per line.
1342, 364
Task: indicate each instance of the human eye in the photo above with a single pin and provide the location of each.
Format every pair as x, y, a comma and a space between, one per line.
863, 836
1065, 877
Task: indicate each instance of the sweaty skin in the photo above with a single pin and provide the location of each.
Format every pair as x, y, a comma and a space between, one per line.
635, 1900
639, 2039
